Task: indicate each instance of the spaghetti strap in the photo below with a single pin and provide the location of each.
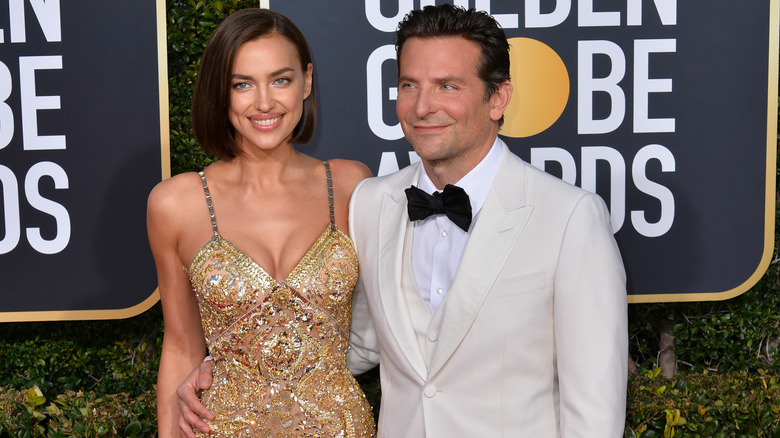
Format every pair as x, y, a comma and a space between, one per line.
208, 202
330, 194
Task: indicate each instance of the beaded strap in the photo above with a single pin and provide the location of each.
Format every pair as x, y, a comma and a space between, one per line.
330, 193
208, 201
211, 206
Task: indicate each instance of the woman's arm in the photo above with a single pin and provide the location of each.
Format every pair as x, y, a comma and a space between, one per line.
183, 342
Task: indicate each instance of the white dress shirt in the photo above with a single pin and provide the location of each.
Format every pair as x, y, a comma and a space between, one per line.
438, 244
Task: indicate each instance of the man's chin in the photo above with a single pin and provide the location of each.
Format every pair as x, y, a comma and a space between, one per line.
427, 150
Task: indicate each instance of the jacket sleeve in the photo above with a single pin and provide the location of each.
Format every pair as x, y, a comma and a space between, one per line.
590, 317
363, 353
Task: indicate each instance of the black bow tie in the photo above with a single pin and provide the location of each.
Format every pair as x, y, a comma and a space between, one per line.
453, 201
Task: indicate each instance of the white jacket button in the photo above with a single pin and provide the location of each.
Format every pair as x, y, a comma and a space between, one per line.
430, 391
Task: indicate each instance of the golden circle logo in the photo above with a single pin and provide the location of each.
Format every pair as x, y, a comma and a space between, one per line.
541, 88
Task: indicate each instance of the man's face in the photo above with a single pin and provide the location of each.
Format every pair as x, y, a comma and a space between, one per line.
441, 102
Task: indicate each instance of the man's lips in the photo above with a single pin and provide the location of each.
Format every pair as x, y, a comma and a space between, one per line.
428, 128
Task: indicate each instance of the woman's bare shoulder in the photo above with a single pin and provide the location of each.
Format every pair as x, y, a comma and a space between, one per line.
348, 173
177, 185
175, 194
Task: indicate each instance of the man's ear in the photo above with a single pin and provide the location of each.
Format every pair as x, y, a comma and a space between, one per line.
500, 99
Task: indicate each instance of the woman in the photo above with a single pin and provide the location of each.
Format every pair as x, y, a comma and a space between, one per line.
273, 306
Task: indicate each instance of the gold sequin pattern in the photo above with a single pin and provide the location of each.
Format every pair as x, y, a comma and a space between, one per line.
279, 347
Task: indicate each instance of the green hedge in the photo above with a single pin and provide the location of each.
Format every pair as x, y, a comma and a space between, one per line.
87, 379
723, 405
76, 414
97, 378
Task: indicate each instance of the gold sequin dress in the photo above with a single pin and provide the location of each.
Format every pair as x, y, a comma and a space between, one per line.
279, 347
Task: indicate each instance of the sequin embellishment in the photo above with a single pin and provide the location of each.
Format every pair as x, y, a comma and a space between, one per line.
279, 347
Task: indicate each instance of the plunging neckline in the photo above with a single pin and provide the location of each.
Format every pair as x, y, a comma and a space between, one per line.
218, 237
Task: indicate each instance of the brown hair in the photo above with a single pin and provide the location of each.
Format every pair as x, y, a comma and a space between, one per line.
446, 21
211, 97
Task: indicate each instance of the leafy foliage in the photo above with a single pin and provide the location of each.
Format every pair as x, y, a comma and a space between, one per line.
731, 404
83, 379
76, 414
102, 356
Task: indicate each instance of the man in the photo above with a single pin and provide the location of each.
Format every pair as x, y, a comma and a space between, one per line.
510, 319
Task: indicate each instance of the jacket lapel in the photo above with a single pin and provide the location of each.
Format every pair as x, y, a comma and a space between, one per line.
394, 225
498, 226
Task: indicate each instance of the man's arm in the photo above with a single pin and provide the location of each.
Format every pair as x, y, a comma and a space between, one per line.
363, 353
590, 319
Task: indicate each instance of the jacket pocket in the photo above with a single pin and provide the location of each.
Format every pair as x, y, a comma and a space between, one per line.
518, 284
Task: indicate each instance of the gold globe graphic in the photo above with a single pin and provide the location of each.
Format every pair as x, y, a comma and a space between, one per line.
541, 88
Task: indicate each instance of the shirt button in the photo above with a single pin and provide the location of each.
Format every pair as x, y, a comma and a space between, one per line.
439, 291
444, 233
430, 391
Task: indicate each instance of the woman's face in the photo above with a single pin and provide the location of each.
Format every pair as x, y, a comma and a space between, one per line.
267, 89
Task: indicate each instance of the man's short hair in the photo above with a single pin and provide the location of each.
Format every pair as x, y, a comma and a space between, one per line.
447, 21
211, 97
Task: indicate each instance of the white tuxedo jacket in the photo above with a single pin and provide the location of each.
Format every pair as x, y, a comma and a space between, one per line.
533, 338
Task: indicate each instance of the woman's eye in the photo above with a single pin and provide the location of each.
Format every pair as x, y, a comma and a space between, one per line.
240, 85
282, 81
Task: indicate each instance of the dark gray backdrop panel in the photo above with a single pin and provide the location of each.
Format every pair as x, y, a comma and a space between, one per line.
109, 93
